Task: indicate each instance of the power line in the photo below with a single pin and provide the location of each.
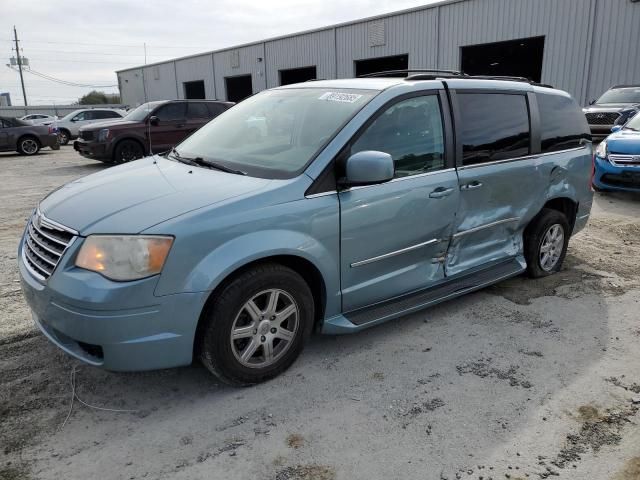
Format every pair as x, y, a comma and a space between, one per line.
95, 53
66, 82
106, 44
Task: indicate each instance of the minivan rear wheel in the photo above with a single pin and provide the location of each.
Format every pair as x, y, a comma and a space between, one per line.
545, 243
256, 327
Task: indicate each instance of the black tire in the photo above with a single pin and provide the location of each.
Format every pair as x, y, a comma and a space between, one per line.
28, 145
216, 349
127, 151
535, 236
64, 136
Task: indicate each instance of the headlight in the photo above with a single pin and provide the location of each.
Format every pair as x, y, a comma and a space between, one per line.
601, 149
124, 257
103, 134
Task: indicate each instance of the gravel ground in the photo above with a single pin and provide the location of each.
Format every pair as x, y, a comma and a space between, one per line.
526, 379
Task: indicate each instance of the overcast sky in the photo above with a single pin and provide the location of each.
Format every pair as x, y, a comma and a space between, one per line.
86, 41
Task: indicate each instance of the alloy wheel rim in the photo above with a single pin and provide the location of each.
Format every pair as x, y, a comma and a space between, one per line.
62, 137
29, 146
264, 328
128, 154
551, 247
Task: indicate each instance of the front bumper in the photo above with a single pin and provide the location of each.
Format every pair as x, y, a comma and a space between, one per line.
93, 150
610, 177
600, 132
119, 326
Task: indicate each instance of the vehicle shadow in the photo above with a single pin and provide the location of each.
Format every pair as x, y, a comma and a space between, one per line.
455, 380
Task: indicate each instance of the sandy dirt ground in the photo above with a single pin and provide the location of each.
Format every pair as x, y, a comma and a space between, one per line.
526, 379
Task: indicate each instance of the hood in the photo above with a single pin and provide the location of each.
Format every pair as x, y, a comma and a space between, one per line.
133, 197
115, 123
608, 107
626, 142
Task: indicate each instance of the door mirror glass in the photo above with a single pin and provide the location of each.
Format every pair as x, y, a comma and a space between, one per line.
369, 168
616, 128
153, 120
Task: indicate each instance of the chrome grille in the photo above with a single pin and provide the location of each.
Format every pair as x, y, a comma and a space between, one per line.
625, 160
602, 118
44, 244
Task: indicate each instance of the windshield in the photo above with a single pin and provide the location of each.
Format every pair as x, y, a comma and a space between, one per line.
276, 133
634, 123
69, 116
621, 95
140, 113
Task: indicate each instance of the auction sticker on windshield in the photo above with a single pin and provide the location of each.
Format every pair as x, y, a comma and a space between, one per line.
340, 97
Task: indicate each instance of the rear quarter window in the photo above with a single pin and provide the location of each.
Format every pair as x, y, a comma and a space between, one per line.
562, 123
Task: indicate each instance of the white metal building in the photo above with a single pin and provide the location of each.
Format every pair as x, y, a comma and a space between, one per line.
582, 46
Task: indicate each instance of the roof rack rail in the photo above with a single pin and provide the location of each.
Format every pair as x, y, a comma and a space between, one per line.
396, 73
510, 78
627, 86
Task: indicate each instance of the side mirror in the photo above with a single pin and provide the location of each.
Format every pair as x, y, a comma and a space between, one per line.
616, 128
153, 120
368, 168
592, 101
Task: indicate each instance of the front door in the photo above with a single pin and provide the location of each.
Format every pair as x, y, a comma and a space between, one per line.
171, 126
394, 236
498, 178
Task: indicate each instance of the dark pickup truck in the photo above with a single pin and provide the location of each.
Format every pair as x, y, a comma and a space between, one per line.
153, 127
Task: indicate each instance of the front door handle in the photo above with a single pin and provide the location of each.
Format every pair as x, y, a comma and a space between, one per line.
441, 192
471, 186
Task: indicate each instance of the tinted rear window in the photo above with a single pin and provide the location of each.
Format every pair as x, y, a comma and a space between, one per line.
197, 110
216, 109
562, 123
495, 126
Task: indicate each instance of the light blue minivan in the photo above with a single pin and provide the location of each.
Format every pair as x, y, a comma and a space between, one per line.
328, 206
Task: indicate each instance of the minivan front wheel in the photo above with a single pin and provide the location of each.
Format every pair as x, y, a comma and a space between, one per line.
256, 327
546, 241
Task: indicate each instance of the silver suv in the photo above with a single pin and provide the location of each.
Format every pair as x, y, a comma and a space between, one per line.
70, 124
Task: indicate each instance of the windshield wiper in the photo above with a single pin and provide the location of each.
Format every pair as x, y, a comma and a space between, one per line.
201, 162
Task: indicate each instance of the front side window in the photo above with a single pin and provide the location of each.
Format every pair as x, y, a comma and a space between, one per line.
141, 112
411, 132
494, 126
171, 112
81, 116
276, 133
562, 123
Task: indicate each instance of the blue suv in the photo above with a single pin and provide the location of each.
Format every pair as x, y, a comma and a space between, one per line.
328, 206
617, 159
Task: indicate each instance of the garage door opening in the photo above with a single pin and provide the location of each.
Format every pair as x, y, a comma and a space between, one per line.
381, 64
238, 88
194, 90
517, 58
297, 75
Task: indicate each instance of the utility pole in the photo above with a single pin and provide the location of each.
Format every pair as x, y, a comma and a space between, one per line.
15, 37
145, 53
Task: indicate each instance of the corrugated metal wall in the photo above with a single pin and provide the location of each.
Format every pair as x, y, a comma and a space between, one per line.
196, 68
414, 33
589, 46
312, 49
160, 81
563, 23
615, 51
131, 87
248, 63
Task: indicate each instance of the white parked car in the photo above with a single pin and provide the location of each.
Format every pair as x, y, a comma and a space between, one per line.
38, 118
69, 125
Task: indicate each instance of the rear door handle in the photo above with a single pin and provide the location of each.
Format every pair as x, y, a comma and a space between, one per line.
471, 186
441, 192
